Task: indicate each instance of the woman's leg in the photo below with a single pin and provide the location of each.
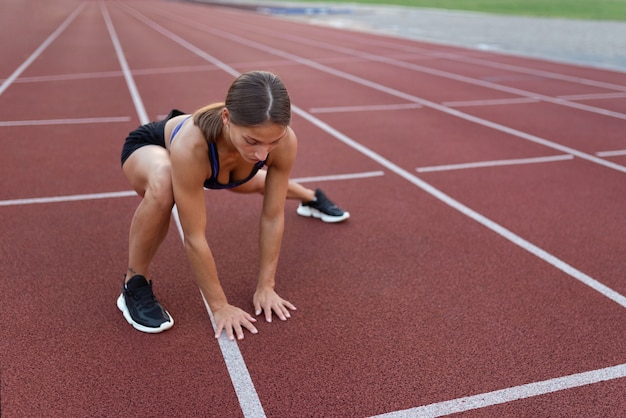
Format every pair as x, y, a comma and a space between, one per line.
313, 204
148, 171
295, 191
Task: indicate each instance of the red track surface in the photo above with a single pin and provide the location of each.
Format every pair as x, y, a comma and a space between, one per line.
444, 284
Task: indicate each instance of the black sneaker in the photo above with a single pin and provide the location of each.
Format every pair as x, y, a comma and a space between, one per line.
141, 308
322, 208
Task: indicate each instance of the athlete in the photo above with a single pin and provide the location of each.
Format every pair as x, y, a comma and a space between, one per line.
220, 146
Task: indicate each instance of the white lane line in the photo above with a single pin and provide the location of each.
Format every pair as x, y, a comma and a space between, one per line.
593, 96
75, 121
68, 198
130, 82
5, 85
130, 193
615, 153
510, 394
364, 108
334, 177
112, 74
494, 102
494, 163
70, 77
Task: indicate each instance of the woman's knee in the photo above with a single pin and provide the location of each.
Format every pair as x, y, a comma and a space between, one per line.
159, 187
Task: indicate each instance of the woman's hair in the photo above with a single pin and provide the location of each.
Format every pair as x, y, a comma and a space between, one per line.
253, 99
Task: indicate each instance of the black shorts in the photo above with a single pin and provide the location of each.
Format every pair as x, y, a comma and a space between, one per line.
152, 133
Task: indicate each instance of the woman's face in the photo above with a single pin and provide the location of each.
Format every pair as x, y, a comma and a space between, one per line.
254, 143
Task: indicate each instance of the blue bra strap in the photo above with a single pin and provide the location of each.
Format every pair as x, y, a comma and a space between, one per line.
177, 128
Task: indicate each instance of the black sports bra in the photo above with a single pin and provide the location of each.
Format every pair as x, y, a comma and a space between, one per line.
211, 182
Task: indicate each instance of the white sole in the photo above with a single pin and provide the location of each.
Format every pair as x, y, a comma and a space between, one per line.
121, 305
314, 213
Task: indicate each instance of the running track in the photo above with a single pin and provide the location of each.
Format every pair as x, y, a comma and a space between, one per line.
482, 271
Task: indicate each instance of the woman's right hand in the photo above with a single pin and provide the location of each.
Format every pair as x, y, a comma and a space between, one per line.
233, 320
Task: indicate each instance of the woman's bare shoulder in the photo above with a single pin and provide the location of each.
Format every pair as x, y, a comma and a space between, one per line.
285, 153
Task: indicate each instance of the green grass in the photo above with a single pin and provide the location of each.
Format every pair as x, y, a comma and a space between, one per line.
574, 9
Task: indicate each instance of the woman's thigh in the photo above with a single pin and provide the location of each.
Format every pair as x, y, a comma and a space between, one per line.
148, 166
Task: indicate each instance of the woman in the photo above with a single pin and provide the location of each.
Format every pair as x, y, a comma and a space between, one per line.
220, 146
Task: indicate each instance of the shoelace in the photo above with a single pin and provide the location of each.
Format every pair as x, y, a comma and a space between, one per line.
324, 203
144, 298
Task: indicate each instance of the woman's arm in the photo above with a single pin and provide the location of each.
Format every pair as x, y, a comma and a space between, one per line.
271, 229
190, 164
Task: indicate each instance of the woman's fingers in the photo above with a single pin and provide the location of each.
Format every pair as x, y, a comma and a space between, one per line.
233, 320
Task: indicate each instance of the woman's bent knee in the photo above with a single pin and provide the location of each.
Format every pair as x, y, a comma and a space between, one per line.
159, 188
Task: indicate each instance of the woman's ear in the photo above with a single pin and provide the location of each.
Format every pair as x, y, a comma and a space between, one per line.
225, 117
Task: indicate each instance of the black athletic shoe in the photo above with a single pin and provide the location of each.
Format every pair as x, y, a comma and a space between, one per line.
322, 208
141, 308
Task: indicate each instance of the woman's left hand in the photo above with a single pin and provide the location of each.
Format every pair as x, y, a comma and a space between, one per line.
267, 300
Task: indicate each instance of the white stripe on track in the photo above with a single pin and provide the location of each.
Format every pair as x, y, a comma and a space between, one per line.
510, 394
615, 153
593, 96
130, 82
72, 76
68, 198
492, 102
495, 163
111, 74
339, 177
131, 193
5, 85
403, 106
75, 121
